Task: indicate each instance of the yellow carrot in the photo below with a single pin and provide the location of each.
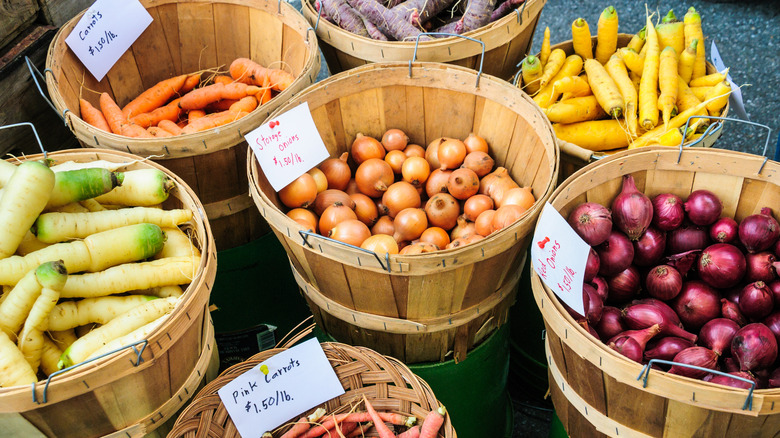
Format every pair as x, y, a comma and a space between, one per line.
606, 34
14, 369
596, 135
572, 66
634, 61
679, 120
692, 26
709, 80
576, 86
670, 33
717, 98
581, 40
700, 92
22, 201
576, 109
604, 88
637, 41
685, 97
544, 53
531, 69
617, 71
648, 99
667, 83
553, 66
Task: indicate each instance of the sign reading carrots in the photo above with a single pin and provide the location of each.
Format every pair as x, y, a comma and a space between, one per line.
105, 31
559, 255
280, 388
288, 146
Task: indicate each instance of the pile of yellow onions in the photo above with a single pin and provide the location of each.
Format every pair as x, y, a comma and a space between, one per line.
390, 196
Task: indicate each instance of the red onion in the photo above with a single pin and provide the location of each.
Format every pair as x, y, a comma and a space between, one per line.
592, 221
641, 336
735, 383
730, 365
776, 249
762, 377
754, 346
775, 288
759, 231
643, 315
731, 311
697, 356
732, 294
724, 230
649, 248
589, 328
773, 323
611, 323
696, 304
774, 378
624, 286
601, 287
703, 207
574, 314
683, 261
668, 212
594, 304
663, 282
632, 210
615, 254
628, 347
686, 238
760, 266
591, 266
721, 265
666, 348
716, 335
756, 300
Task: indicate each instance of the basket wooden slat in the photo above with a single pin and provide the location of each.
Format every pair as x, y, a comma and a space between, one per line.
185, 37
587, 373
385, 381
436, 100
111, 394
506, 41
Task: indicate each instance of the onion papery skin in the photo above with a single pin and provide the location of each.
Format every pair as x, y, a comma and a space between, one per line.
758, 232
644, 314
773, 323
592, 222
696, 304
650, 247
611, 323
628, 347
683, 262
756, 300
730, 310
687, 238
623, 286
632, 210
734, 383
666, 348
698, 356
663, 282
760, 267
602, 288
724, 230
591, 266
755, 347
703, 207
668, 211
595, 304
721, 265
717, 334
615, 254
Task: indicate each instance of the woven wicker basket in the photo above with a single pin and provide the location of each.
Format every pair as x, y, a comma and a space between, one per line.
111, 395
186, 37
596, 390
385, 381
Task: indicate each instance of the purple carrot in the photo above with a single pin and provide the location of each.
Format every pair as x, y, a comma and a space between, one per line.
323, 14
372, 29
504, 9
389, 22
390, 4
477, 14
343, 15
454, 27
417, 12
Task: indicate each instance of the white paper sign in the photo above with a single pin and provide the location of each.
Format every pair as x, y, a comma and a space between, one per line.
297, 380
735, 99
559, 256
288, 146
106, 30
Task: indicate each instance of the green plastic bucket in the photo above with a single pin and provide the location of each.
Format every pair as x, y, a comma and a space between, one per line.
528, 366
257, 299
556, 427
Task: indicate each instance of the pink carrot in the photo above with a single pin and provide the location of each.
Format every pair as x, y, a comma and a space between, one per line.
413, 432
360, 430
300, 427
387, 417
381, 427
433, 422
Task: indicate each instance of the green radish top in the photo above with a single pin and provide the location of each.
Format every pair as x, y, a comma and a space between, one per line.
52, 275
151, 239
78, 185
119, 245
692, 16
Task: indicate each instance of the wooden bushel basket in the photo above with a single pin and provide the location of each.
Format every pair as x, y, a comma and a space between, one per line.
574, 157
111, 396
183, 38
506, 40
434, 100
596, 390
385, 381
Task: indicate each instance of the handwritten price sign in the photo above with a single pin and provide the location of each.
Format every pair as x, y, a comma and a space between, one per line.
281, 388
559, 256
105, 31
288, 146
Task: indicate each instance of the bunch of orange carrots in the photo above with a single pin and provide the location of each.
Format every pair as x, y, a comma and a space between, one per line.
184, 105
602, 97
358, 424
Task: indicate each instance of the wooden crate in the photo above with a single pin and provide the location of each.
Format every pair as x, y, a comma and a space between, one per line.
186, 37
15, 17
369, 100
595, 389
58, 12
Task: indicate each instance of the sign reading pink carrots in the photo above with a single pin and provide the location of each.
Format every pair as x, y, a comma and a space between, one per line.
559, 256
288, 146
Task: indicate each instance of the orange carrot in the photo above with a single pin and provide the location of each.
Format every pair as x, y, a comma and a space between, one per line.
320, 429
346, 428
133, 130
112, 112
93, 116
170, 112
433, 422
223, 79
248, 104
379, 425
247, 71
212, 120
195, 115
154, 96
300, 427
414, 432
387, 417
220, 105
190, 83
169, 126
200, 97
158, 132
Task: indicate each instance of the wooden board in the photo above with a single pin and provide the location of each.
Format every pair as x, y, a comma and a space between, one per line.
17, 16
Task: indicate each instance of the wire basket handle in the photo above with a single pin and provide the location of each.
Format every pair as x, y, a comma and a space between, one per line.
719, 125
35, 132
35, 74
305, 234
417, 43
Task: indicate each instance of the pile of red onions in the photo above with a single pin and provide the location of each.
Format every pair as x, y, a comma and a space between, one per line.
668, 278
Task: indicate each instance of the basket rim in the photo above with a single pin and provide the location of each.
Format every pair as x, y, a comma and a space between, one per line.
219, 138
160, 340
604, 357
443, 259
